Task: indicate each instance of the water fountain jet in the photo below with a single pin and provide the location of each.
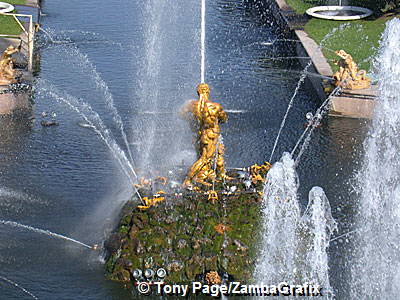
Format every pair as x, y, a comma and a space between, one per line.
19, 287
96, 123
203, 40
109, 99
299, 83
294, 247
47, 232
375, 263
313, 124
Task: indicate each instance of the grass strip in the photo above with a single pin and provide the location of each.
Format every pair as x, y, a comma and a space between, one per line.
359, 38
8, 25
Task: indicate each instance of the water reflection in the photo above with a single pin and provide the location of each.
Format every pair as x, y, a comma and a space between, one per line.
14, 135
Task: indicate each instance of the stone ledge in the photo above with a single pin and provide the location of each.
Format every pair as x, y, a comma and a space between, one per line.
315, 53
353, 104
351, 107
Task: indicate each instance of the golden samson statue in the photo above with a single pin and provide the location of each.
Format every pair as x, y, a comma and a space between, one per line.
208, 115
348, 76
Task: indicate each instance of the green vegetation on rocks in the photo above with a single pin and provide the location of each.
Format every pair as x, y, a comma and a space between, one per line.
180, 235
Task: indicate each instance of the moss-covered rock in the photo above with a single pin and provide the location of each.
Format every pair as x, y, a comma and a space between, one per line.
188, 236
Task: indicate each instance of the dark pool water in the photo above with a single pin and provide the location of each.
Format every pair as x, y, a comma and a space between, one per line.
64, 178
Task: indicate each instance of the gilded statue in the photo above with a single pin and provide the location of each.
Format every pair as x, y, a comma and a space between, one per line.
207, 115
149, 202
7, 71
10, 50
348, 76
213, 278
258, 173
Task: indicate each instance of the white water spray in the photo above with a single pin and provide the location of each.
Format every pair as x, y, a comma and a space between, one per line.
299, 83
303, 76
281, 213
148, 92
375, 272
314, 123
19, 287
165, 76
51, 38
203, 40
103, 87
321, 225
94, 120
46, 232
66, 38
84, 62
294, 247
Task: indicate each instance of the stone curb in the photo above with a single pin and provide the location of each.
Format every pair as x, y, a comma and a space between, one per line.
353, 104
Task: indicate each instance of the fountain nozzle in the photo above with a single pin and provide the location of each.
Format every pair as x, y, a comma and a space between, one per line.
309, 116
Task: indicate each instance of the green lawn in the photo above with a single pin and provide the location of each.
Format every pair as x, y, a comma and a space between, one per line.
9, 26
17, 2
358, 38
301, 6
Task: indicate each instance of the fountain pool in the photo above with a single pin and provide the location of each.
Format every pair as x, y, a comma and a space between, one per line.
339, 13
66, 180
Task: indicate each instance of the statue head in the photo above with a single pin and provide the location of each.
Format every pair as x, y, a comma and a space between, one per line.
203, 88
10, 50
342, 54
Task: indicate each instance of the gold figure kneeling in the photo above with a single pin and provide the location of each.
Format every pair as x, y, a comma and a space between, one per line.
348, 76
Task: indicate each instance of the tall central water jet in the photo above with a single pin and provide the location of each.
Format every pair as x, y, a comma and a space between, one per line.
203, 41
376, 265
167, 75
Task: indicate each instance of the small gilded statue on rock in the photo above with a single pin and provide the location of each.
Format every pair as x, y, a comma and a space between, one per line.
348, 76
207, 115
7, 72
